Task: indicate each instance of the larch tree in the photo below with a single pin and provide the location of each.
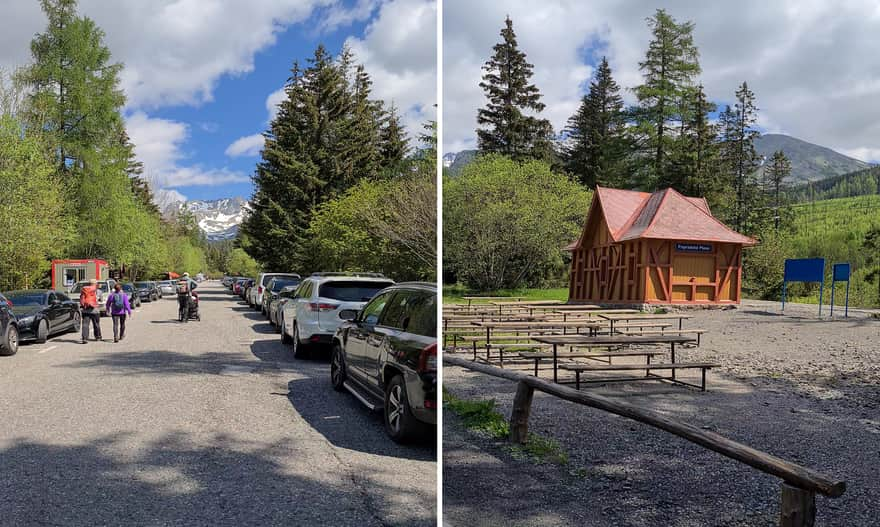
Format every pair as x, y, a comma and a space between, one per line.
695, 163
505, 126
776, 173
599, 146
671, 64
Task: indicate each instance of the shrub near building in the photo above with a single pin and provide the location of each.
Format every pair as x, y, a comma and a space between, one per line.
506, 223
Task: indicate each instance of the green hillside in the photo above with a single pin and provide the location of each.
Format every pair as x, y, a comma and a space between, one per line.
835, 229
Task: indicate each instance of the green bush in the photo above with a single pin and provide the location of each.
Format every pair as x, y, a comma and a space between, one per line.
506, 223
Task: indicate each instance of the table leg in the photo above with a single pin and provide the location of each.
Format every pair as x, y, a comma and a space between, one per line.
577, 379
536, 366
555, 379
475, 350
672, 344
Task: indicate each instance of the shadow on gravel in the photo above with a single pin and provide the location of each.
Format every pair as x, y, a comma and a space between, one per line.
158, 362
635, 474
339, 417
180, 480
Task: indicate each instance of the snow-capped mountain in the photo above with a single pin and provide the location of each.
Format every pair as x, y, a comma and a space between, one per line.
449, 158
218, 219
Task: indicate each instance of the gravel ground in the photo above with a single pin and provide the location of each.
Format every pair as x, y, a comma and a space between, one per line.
794, 386
208, 423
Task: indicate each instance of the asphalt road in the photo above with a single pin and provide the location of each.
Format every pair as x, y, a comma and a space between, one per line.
204, 423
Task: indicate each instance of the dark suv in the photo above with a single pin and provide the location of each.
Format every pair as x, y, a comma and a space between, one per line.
8, 328
386, 355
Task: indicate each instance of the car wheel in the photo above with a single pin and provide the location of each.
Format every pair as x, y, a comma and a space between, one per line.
400, 423
9, 345
299, 349
285, 338
338, 374
42, 331
77, 321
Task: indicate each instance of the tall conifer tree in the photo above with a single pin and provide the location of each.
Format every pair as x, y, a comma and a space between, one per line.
740, 159
671, 64
599, 145
506, 81
776, 173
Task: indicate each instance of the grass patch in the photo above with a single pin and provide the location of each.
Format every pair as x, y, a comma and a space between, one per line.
453, 294
482, 418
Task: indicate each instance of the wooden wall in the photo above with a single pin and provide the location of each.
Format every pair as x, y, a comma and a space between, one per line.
652, 271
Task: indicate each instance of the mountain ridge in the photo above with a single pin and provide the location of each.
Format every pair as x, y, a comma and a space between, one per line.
218, 219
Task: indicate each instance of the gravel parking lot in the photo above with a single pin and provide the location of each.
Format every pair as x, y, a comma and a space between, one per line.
204, 423
794, 386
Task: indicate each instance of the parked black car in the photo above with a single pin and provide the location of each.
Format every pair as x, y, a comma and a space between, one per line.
386, 355
43, 312
8, 328
147, 291
134, 298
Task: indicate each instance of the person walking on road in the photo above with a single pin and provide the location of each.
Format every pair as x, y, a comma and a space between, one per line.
185, 288
88, 303
119, 307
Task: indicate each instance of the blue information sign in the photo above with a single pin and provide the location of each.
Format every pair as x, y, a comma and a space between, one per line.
840, 273
693, 247
804, 270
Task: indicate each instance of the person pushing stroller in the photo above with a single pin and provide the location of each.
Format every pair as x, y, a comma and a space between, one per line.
185, 287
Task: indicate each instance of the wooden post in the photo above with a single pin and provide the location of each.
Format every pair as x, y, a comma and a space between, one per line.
798, 507
519, 418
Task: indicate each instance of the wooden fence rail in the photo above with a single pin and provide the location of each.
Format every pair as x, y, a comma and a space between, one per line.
800, 484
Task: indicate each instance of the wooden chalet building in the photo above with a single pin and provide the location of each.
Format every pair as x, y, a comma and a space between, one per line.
659, 248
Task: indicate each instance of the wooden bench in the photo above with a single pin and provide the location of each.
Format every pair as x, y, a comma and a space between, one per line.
697, 332
537, 356
628, 326
578, 368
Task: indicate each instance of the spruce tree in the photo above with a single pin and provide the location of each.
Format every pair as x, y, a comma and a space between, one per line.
598, 146
695, 162
506, 81
671, 64
740, 159
393, 140
779, 169
324, 139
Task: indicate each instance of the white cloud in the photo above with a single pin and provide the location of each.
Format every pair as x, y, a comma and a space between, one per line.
399, 51
248, 146
273, 100
158, 144
175, 51
812, 65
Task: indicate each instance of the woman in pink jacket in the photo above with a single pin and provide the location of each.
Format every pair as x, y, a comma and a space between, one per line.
119, 307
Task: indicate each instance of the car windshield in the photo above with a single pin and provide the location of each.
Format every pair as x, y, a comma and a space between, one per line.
142, 285
278, 285
127, 287
352, 291
25, 299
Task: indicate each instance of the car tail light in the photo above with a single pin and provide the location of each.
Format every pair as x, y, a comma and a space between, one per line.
428, 359
430, 404
260, 290
9, 302
316, 306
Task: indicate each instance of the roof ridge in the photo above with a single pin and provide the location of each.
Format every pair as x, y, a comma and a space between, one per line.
711, 217
658, 209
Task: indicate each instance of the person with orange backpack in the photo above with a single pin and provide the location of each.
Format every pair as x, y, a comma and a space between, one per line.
88, 303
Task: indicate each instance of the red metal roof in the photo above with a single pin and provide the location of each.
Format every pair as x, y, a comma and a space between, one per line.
665, 215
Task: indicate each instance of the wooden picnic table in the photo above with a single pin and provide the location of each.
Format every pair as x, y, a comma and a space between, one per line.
587, 324
525, 305
609, 340
615, 317
472, 298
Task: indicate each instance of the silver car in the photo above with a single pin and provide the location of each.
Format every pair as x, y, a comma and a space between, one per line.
168, 287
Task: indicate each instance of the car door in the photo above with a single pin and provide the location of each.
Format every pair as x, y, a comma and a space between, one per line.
360, 332
53, 312
377, 341
67, 308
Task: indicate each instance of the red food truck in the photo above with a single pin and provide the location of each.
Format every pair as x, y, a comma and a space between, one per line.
66, 273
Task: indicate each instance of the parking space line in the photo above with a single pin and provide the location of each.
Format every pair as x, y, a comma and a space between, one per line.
50, 348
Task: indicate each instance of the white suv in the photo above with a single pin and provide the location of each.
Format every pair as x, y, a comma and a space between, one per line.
255, 299
322, 302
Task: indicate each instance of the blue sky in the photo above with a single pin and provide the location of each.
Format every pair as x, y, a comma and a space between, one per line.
201, 75
239, 107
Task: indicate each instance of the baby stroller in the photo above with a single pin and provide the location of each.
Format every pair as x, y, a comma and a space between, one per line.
188, 307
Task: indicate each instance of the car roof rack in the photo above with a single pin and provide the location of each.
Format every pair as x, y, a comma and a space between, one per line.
354, 274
